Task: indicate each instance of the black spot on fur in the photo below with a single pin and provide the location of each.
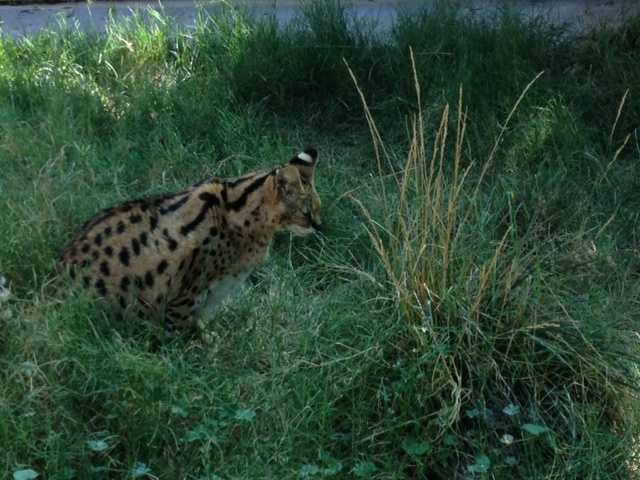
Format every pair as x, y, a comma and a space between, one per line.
148, 279
85, 248
95, 254
108, 231
171, 243
153, 222
162, 266
120, 228
135, 246
124, 256
101, 287
247, 223
135, 218
108, 250
143, 239
104, 269
124, 283
98, 240
213, 231
139, 282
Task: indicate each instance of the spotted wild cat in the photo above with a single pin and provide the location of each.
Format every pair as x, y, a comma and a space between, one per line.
176, 257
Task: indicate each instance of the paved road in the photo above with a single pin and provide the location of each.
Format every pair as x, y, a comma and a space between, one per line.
29, 19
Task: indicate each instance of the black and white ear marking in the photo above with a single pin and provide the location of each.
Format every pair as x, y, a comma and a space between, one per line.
305, 157
308, 158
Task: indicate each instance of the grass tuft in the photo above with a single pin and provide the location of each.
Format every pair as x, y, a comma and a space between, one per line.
486, 332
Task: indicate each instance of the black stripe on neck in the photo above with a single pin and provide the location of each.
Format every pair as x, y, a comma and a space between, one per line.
174, 206
241, 201
238, 181
210, 200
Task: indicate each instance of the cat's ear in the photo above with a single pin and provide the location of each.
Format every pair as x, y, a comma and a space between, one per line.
289, 181
306, 163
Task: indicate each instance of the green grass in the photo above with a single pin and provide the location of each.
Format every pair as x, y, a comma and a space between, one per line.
471, 310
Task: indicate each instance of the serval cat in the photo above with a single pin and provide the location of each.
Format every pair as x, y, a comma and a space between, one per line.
176, 257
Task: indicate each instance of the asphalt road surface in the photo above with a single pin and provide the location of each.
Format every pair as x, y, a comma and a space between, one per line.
579, 15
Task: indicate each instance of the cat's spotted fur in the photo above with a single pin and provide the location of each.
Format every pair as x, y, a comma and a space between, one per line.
170, 256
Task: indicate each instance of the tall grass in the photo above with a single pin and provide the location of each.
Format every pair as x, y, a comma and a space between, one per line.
488, 334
